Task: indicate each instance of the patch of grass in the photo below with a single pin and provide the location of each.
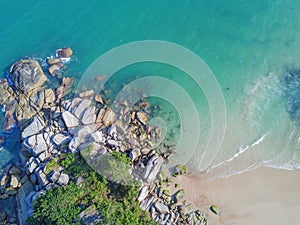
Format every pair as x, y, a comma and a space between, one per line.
51, 165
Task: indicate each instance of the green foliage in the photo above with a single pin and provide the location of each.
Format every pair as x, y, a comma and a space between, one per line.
68, 161
117, 203
121, 157
59, 206
115, 167
51, 165
179, 170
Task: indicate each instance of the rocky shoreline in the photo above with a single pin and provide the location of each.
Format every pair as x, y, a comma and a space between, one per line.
52, 125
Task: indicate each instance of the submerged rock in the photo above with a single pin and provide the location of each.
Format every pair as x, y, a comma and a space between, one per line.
27, 75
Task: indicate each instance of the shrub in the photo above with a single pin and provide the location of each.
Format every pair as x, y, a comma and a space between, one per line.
117, 203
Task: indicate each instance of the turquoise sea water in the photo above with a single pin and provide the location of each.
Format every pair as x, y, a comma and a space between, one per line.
249, 45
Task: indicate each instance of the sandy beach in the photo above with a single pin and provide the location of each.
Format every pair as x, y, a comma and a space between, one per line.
261, 196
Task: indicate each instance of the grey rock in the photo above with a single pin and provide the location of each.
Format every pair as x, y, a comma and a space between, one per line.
75, 143
147, 203
87, 94
34, 127
134, 154
27, 75
143, 193
82, 106
70, 119
54, 176
41, 178
63, 179
4, 180
79, 180
89, 116
97, 137
31, 165
112, 143
60, 139
71, 104
43, 156
152, 168
112, 130
37, 144
161, 208
14, 181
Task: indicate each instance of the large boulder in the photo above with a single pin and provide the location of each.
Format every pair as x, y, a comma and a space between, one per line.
152, 168
7, 94
63, 179
27, 75
34, 127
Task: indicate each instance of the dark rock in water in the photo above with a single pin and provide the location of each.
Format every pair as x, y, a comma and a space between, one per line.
27, 75
2, 215
64, 53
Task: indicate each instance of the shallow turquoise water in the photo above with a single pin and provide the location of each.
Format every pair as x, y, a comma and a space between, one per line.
247, 44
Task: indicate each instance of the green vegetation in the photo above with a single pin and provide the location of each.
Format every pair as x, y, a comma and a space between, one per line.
214, 209
62, 205
179, 170
51, 165
115, 167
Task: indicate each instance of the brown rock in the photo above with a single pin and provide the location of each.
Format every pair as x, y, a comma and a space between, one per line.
4, 180
55, 68
86, 94
64, 87
52, 61
101, 77
27, 75
64, 53
142, 117
99, 99
108, 117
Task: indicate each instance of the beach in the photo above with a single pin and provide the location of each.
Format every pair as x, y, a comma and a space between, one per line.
261, 196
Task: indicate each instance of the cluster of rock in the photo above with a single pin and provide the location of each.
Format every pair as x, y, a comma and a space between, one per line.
52, 126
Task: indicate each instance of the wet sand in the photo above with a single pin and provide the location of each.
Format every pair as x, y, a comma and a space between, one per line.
262, 196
